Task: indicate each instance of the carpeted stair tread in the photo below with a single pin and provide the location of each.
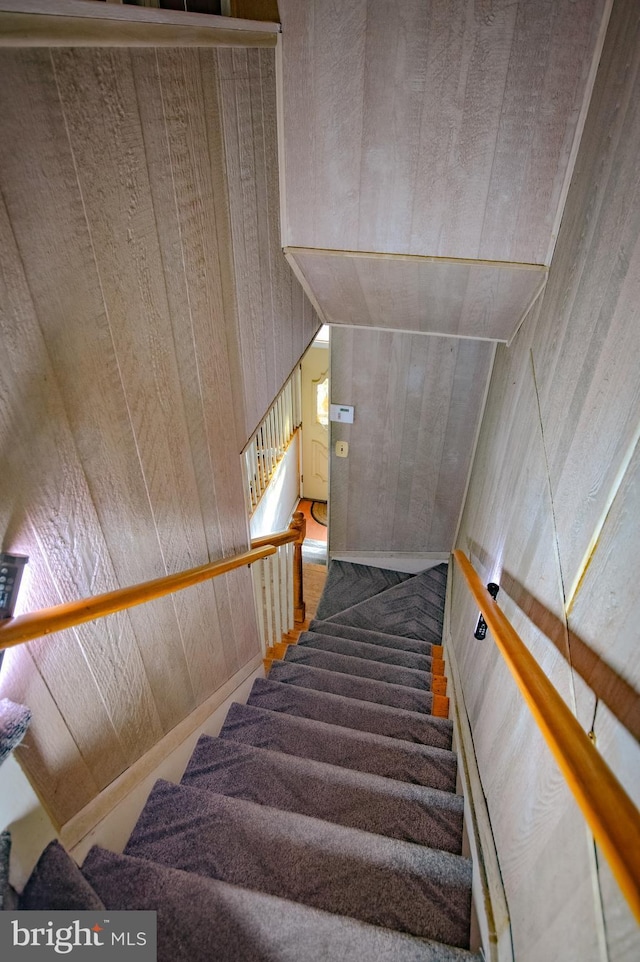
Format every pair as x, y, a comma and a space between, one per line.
350, 686
349, 583
348, 665
351, 713
202, 919
414, 608
383, 881
371, 637
372, 803
362, 751
360, 649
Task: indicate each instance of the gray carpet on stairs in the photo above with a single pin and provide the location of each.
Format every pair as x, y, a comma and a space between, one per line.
379, 880
413, 609
351, 713
322, 823
361, 751
371, 637
349, 583
332, 661
361, 649
365, 689
372, 803
202, 918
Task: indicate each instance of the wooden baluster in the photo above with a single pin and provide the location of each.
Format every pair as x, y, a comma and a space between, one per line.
298, 524
258, 576
289, 584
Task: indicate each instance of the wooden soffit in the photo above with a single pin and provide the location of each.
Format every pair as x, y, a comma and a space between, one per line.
430, 295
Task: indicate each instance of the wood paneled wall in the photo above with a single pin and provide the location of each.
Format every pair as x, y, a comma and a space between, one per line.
444, 129
276, 320
132, 340
552, 515
418, 401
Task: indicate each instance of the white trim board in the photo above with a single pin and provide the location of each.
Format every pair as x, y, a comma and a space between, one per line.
409, 563
491, 911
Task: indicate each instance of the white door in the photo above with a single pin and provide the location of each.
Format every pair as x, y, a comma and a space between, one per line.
315, 423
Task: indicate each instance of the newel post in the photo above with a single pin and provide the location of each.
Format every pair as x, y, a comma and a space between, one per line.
299, 525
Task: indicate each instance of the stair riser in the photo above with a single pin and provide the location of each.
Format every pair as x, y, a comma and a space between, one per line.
331, 661
363, 689
359, 649
375, 638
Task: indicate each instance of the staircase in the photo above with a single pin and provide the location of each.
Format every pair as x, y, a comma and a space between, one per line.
322, 823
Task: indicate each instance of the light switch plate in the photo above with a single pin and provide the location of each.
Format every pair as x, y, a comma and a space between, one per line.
342, 449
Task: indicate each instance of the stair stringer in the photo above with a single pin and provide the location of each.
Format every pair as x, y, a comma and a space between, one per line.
490, 916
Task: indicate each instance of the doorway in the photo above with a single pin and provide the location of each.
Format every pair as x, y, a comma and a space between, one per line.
314, 481
314, 455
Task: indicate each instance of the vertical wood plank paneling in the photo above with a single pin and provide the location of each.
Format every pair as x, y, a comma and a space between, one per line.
554, 485
183, 155
604, 617
556, 41
509, 532
236, 117
111, 153
275, 321
603, 621
432, 128
191, 218
290, 334
481, 73
594, 299
333, 48
186, 162
394, 71
41, 191
267, 233
114, 172
45, 204
417, 402
44, 514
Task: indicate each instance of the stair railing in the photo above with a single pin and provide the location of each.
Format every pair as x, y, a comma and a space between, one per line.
268, 444
611, 814
276, 564
277, 583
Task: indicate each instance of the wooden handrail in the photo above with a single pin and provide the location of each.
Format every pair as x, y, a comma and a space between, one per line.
44, 622
277, 539
610, 813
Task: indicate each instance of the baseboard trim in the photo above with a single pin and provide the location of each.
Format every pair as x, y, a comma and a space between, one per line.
409, 563
109, 818
489, 897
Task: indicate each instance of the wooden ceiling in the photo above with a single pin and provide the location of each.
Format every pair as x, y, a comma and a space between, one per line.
443, 130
